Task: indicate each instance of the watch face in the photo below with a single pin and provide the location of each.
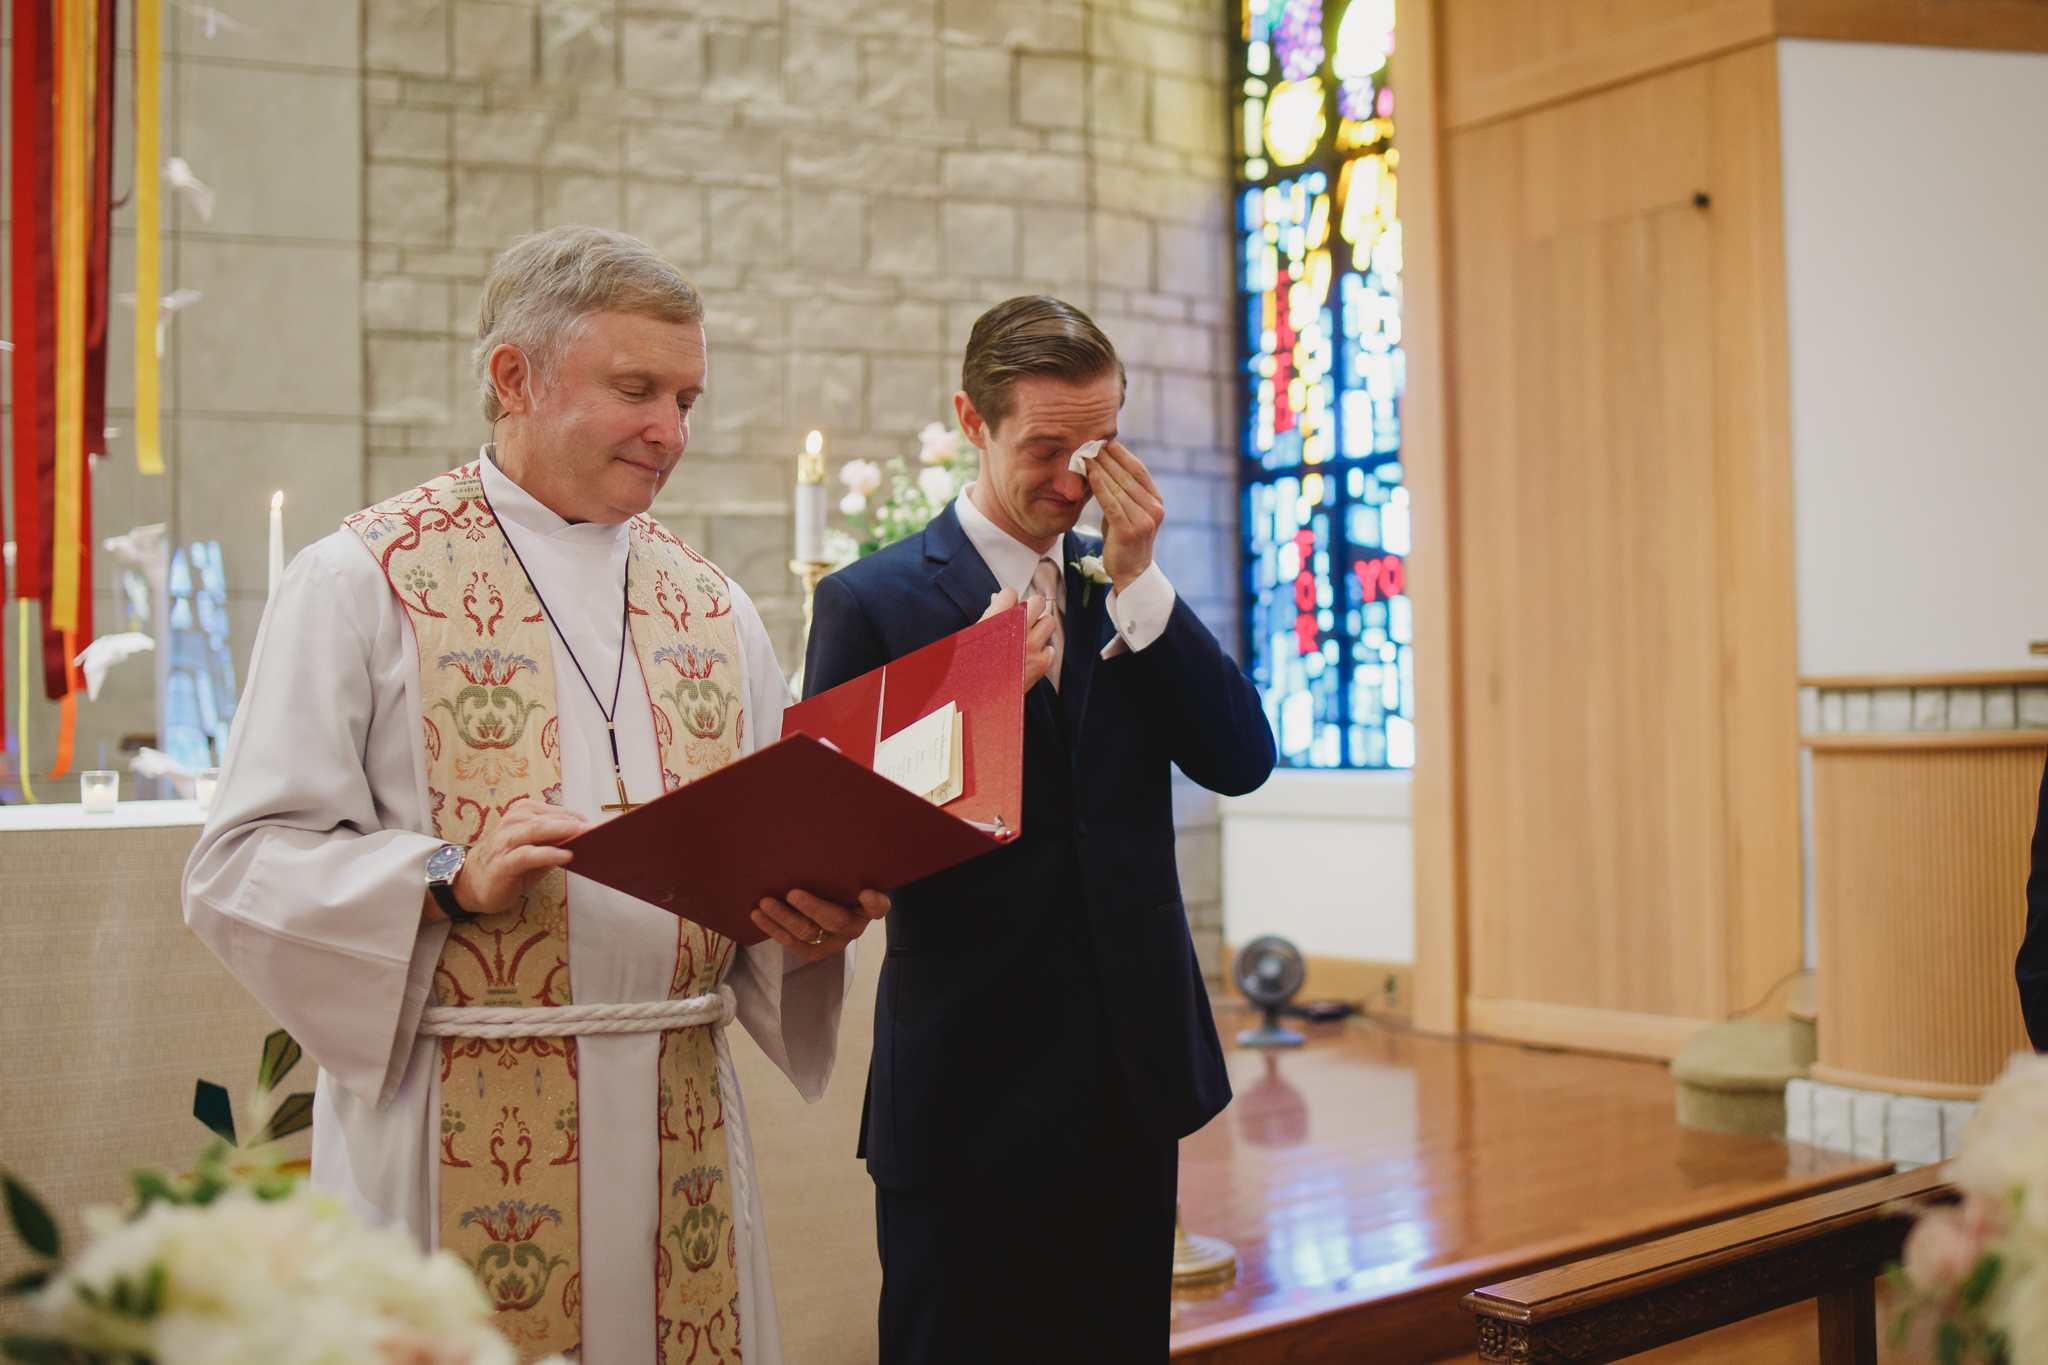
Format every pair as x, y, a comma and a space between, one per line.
445, 863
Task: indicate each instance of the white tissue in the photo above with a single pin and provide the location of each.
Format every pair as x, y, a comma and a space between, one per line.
1079, 464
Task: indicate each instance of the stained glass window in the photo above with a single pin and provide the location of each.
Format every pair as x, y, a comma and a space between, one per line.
199, 696
1326, 511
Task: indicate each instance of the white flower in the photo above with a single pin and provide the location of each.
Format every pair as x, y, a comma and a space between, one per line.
937, 445
852, 505
937, 483
862, 476
293, 1281
1092, 570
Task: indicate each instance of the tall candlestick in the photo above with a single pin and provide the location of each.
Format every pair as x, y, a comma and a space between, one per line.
810, 499
276, 541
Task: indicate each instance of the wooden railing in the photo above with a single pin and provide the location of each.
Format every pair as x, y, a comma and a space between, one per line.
1829, 1247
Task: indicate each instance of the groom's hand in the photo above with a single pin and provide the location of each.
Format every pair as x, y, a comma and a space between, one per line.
814, 928
1132, 512
1037, 639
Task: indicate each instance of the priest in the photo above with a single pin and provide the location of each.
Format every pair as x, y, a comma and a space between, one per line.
442, 692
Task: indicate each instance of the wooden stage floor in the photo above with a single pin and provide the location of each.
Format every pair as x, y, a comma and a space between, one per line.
1369, 1179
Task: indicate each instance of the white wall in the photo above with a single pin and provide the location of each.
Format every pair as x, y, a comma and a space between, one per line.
1323, 859
1916, 242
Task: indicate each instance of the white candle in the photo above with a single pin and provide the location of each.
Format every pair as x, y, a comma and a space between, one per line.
276, 541
99, 791
810, 499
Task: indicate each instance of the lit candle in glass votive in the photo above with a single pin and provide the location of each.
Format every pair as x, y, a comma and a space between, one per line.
99, 791
810, 499
203, 783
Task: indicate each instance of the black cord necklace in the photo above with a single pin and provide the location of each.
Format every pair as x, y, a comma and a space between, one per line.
625, 639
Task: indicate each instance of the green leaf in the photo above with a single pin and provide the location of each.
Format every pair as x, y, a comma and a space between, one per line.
294, 1115
28, 1282
210, 1106
32, 1222
1979, 1281
37, 1350
280, 1055
1948, 1344
151, 1187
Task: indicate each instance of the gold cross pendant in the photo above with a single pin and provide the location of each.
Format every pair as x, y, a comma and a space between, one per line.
623, 804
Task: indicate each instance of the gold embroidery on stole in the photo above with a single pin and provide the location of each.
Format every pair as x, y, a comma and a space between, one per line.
508, 1159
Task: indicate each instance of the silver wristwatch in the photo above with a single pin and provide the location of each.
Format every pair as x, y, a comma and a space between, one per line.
443, 865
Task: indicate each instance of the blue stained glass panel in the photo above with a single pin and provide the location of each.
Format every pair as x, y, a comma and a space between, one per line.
1326, 511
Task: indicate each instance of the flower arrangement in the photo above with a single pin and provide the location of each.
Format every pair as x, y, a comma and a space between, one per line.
948, 464
241, 1265
1972, 1287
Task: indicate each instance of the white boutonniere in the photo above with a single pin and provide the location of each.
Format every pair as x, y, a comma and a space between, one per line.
1092, 570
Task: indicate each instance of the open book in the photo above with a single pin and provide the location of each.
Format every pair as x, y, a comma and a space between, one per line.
812, 812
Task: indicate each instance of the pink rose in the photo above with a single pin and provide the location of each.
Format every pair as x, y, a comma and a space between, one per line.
1946, 1243
861, 476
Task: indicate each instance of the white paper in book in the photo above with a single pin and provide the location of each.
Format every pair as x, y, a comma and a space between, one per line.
927, 756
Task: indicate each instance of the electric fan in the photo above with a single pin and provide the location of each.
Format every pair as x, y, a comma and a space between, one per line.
1269, 971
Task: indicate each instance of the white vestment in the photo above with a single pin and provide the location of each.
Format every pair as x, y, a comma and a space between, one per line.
309, 878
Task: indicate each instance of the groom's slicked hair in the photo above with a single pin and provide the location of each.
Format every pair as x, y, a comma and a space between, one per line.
543, 290
1032, 335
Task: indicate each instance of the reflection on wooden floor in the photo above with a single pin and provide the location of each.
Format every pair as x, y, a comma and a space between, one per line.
1368, 1178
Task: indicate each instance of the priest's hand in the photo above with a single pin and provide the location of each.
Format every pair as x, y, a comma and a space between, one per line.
1132, 512
512, 857
815, 929
1037, 638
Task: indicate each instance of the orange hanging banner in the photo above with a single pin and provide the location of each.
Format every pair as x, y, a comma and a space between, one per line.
148, 190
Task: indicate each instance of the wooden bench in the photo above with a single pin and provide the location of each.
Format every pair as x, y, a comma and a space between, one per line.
1830, 1246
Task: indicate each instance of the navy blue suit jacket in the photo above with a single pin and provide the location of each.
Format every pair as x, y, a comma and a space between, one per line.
1012, 979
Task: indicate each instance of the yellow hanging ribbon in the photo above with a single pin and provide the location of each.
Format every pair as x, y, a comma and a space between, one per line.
149, 456
74, 49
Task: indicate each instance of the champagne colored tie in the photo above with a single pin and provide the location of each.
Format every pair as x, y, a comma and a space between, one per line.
1045, 582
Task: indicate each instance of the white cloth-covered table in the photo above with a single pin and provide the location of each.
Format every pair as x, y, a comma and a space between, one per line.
309, 878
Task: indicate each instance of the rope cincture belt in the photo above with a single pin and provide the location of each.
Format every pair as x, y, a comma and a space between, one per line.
568, 1021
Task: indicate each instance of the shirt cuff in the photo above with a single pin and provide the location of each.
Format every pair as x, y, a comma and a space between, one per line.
1140, 612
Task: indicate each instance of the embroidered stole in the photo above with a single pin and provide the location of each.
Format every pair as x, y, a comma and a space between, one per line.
508, 1161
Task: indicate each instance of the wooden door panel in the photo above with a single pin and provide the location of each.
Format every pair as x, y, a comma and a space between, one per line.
1595, 443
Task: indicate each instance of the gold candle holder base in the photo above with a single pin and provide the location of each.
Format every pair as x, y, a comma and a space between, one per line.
812, 572
1201, 1261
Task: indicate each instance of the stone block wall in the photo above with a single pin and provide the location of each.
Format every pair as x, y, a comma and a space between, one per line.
850, 183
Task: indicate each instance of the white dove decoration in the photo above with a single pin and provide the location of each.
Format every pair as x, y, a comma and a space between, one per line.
103, 653
166, 306
211, 20
145, 548
197, 192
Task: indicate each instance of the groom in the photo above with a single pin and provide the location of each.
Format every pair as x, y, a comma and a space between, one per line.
1042, 1036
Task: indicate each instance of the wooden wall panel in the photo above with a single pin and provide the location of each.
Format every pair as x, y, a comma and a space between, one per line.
1920, 869
1438, 999
1506, 56
1630, 763
1998, 25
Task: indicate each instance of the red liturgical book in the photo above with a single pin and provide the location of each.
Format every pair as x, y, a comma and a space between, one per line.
810, 813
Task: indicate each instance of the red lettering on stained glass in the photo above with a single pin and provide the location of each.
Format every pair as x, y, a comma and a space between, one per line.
1383, 577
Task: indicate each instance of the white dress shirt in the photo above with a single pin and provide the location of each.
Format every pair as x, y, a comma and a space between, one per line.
1139, 613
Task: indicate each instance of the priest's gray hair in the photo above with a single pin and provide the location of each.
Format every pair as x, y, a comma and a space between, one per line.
542, 292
